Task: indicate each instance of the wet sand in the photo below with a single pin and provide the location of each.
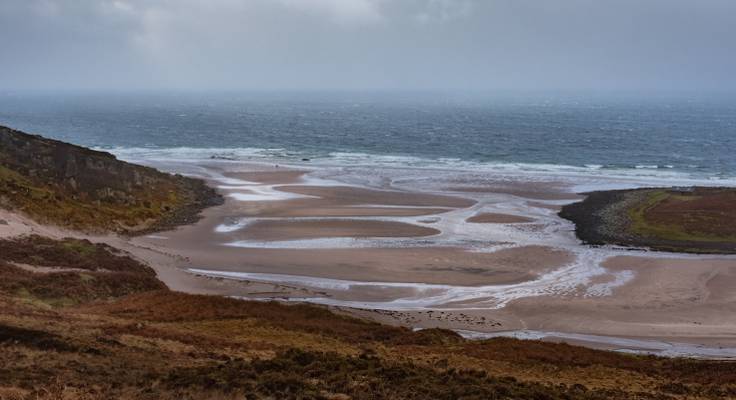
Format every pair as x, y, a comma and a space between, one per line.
520, 189
295, 230
422, 265
495, 218
277, 176
352, 195
486, 277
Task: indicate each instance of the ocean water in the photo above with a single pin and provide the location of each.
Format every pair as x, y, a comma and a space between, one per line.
679, 136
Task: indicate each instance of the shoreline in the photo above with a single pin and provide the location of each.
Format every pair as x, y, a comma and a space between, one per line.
518, 314
318, 196
294, 159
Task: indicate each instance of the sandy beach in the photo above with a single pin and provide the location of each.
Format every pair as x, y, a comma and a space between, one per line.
479, 255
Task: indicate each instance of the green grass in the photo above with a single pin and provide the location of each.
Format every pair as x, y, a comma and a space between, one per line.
79, 247
639, 224
49, 204
642, 226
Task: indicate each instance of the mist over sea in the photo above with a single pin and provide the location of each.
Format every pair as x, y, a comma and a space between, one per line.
674, 135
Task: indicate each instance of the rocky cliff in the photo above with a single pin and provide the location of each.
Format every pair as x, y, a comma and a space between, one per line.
68, 185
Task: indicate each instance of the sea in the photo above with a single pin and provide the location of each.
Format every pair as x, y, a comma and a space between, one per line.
664, 136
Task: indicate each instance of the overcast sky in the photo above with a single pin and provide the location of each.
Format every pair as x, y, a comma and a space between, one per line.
368, 44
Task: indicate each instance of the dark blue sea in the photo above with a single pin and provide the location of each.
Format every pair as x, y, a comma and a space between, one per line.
690, 135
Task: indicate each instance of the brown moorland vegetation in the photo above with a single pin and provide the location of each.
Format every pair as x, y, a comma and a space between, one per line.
135, 339
69, 271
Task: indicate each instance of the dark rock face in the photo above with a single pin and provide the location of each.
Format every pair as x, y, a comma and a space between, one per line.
590, 217
77, 174
84, 171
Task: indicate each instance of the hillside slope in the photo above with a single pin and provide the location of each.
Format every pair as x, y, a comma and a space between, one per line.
84, 321
75, 187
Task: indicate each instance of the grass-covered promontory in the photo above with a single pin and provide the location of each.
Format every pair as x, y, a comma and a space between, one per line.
79, 188
694, 220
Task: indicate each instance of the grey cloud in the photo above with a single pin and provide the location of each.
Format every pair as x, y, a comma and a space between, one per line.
368, 44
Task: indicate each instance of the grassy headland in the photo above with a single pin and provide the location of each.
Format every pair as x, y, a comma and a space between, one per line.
694, 220
75, 187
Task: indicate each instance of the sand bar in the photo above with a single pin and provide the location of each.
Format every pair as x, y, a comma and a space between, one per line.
279, 176
496, 218
325, 228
